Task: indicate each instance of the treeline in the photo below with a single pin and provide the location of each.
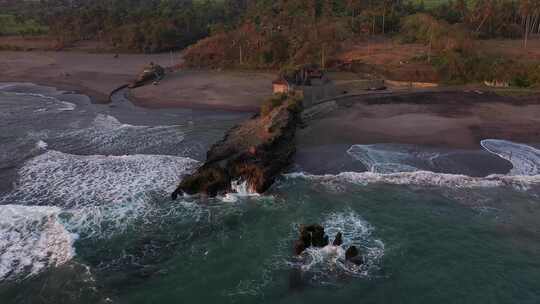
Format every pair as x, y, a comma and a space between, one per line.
452, 30
135, 25
274, 34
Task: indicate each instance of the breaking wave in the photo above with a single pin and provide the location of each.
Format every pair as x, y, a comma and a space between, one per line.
95, 189
402, 165
240, 189
63, 105
424, 178
525, 159
32, 239
107, 135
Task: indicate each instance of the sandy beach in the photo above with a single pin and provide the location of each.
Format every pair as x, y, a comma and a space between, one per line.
456, 119
97, 75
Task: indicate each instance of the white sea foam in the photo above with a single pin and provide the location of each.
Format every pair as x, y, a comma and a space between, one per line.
392, 158
324, 262
240, 189
92, 189
400, 165
107, 135
63, 105
41, 145
32, 239
8, 85
525, 159
424, 178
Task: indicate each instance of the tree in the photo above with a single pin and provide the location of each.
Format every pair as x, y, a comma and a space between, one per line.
530, 12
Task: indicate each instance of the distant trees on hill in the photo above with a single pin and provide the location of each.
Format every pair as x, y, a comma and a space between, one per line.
276, 30
138, 25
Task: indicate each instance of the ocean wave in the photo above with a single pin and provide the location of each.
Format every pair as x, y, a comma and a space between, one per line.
32, 239
424, 178
6, 85
91, 189
524, 158
393, 158
107, 135
64, 105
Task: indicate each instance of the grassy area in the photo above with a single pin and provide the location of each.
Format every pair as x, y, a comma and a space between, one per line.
9, 25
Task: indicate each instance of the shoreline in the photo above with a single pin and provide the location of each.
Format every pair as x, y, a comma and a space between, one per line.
453, 119
98, 75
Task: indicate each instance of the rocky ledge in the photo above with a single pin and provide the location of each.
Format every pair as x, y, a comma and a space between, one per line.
255, 152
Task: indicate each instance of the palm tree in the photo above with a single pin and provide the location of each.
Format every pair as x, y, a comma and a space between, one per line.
530, 12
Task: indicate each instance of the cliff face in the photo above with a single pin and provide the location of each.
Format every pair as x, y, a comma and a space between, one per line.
255, 152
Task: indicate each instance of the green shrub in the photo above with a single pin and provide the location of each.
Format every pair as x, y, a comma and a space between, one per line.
273, 102
11, 25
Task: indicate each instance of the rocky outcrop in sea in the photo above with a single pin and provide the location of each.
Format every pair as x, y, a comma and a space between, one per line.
255, 153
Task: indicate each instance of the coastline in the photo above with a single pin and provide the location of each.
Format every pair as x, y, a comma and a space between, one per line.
97, 75
457, 117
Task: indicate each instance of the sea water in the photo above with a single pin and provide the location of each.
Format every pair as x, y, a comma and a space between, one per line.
86, 217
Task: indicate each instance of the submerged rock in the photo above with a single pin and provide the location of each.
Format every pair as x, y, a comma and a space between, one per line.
312, 235
255, 152
353, 255
338, 241
318, 238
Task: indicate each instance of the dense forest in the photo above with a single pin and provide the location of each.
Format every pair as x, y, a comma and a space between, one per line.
131, 25
157, 25
279, 33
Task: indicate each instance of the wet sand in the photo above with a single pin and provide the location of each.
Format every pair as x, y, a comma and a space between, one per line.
228, 90
454, 119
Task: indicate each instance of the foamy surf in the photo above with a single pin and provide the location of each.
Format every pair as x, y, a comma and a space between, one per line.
325, 264
240, 189
93, 189
393, 158
525, 159
31, 240
423, 178
107, 135
63, 105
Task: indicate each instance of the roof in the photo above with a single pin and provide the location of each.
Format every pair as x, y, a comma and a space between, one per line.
281, 81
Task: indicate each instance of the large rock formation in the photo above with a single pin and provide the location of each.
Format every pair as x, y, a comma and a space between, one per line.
255, 152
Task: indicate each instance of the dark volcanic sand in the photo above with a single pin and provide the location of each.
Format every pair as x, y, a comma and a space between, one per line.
447, 119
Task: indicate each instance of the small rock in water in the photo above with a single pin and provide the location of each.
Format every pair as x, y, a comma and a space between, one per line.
312, 235
299, 247
353, 255
318, 239
338, 241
